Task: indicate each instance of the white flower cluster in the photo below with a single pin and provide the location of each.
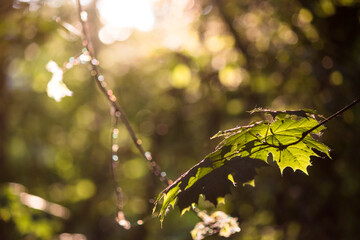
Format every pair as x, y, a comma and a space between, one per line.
219, 222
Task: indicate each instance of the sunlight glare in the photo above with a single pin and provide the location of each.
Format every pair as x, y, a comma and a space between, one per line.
108, 34
72, 236
120, 14
33, 201
41, 204
83, 2
56, 88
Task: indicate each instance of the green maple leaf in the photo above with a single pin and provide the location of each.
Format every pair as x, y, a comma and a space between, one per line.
288, 138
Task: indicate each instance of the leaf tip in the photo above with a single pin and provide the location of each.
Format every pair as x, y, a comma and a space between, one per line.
220, 200
249, 183
305, 171
185, 210
231, 178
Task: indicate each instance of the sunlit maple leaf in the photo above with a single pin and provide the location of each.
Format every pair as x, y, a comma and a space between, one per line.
286, 140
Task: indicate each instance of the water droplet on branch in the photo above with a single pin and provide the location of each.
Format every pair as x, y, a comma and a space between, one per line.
94, 61
84, 16
115, 157
148, 156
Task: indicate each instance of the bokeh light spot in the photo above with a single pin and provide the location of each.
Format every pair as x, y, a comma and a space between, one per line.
305, 16
85, 189
234, 107
327, 7
327, 62
231, 77
138, 205
336, 78
134, 169
181, 76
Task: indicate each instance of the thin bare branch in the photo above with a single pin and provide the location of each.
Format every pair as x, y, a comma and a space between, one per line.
118, 111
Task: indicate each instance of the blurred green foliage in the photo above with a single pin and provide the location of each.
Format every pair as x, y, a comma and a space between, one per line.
228, 57
26, 221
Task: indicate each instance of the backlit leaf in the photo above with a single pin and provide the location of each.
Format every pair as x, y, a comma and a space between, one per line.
286, 139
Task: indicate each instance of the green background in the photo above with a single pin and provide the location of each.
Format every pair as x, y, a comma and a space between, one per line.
274, 54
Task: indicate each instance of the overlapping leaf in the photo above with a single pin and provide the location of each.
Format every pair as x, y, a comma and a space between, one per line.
244, 149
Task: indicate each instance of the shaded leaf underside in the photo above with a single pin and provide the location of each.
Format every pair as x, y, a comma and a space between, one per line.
242, 151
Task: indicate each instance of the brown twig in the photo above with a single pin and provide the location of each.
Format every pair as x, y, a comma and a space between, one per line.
117, 113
